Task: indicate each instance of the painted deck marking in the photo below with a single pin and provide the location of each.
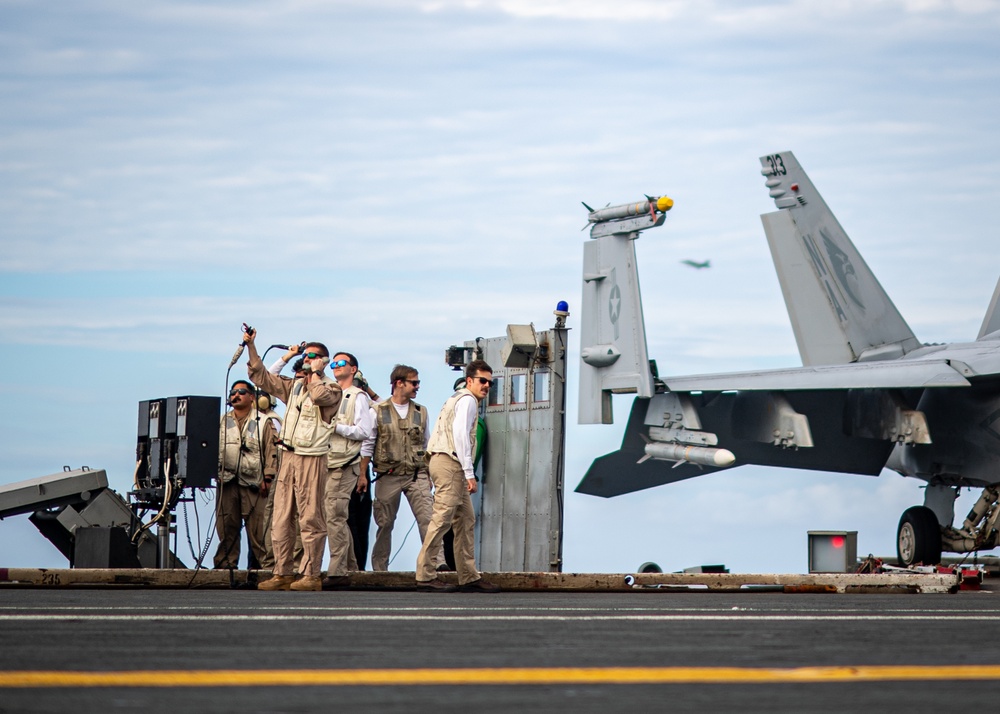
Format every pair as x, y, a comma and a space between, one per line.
499, 676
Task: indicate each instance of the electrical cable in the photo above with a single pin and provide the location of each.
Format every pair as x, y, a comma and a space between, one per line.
404, 541
210, 534
204, 551
225, 435
207, 499
220, 502
197, 521
235, 543
187, 532
176, 536
220, 515
167, 496
560, 455
257, 494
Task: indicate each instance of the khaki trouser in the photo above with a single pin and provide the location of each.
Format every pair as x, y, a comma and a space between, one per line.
298, 491
388, 489
452, 509
238, 505
340, 482
268, 562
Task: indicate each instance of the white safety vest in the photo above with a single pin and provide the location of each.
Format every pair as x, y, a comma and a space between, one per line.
343, 450
443, 436
303, 428
241, 450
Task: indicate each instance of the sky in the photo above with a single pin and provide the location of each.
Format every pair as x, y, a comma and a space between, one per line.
395, 177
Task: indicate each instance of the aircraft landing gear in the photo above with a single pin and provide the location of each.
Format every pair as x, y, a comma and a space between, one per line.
918, 539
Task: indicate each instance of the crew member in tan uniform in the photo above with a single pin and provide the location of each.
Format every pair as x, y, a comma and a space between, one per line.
311, 407
268, 564
247, 464
397, 449
452, 444
353, 425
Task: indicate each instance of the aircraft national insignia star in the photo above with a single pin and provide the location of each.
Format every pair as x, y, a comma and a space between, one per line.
615, 303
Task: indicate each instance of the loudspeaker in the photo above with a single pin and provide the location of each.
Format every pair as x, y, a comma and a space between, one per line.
194, 422
101, 547
149, 444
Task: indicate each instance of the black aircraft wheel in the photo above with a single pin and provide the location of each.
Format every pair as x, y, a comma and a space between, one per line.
918, 539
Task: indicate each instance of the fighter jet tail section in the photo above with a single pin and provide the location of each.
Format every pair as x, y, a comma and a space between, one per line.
838, 309
991, 323
613, 356
869, 397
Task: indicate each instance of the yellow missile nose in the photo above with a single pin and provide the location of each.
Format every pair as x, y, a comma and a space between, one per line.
664, 204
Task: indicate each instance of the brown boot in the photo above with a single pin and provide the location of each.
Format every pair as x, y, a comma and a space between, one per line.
307, 582
277, 582
479, 586
436, 586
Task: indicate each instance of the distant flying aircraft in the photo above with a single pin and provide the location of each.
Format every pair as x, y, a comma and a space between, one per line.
696, 265
868, 396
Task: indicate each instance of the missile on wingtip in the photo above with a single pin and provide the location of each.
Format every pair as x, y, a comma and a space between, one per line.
704, 455
652, 204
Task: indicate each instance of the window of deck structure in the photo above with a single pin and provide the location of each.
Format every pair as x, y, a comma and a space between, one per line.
495, 398
518, 388
540, 387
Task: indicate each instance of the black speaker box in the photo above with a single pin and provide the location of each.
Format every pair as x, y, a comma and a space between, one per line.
194, 421
103, 547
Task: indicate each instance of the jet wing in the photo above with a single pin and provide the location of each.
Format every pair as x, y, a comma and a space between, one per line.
895, 374
734, 418
838, 413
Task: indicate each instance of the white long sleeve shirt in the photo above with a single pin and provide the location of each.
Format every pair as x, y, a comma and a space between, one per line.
466, 414
363, 427
277, 366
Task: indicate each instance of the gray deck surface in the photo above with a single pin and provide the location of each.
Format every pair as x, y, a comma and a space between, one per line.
127, 630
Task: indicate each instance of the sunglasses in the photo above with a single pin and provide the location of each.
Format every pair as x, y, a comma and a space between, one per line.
414, 382
313, 355
484, 381
239, 391
340, 363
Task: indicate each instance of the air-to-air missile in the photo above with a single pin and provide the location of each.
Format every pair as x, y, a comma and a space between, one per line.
705, 455
651, 206
628, 218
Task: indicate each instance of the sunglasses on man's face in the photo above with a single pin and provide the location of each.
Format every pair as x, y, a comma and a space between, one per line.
239, 391
484, 381
313, 355
340, 363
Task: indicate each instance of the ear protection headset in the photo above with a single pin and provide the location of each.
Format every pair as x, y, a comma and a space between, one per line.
264, 401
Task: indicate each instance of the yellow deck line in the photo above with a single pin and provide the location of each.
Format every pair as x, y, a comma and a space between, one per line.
507, 676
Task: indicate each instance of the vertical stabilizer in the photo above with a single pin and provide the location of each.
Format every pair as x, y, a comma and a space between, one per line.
838, 310
613, 357
991, 323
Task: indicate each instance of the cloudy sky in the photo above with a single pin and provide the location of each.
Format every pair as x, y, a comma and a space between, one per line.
394, 177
